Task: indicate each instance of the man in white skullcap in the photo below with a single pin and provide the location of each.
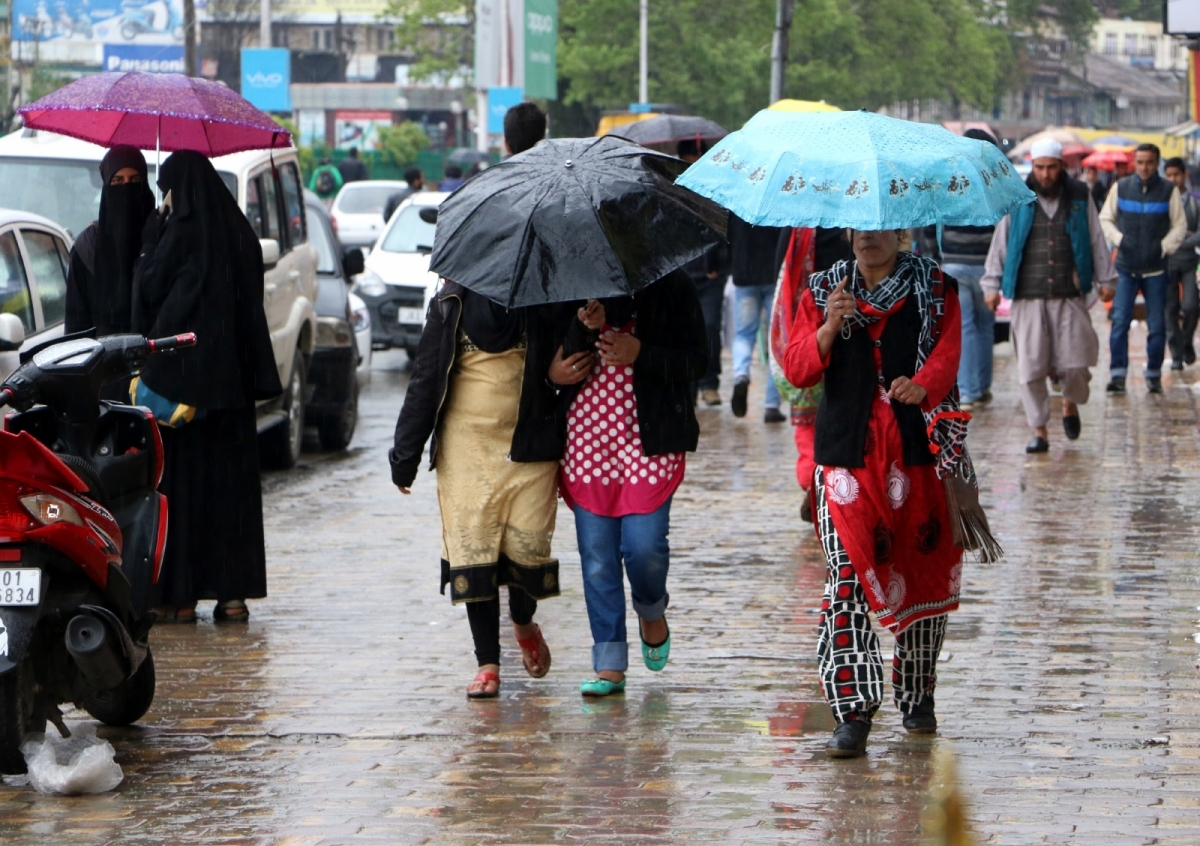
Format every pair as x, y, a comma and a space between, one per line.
1047, 257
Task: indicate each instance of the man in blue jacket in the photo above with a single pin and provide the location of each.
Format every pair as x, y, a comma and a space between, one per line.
1046, 257
1144, 219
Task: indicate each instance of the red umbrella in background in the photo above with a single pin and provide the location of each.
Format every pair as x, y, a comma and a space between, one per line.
1108, 159
1071, 151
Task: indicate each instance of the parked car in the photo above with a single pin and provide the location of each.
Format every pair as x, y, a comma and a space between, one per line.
58, 177
333, 407
34, 256
358, 210
396, 284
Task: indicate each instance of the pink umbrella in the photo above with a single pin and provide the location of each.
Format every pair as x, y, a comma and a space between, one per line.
167, 111
1108, 159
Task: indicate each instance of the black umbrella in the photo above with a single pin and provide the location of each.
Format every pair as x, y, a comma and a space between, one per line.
572, 219
466, 155
665, 129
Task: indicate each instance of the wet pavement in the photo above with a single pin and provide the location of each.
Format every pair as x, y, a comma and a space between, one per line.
1068, 689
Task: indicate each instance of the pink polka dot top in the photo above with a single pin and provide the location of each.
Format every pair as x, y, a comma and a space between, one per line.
605, 468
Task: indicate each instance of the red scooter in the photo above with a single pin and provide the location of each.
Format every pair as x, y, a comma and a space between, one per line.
82, 532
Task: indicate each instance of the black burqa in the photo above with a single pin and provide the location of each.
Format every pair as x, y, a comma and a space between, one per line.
100, 275
201, 271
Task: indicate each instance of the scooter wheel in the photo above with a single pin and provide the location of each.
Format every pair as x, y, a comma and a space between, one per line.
126, 703
16, 716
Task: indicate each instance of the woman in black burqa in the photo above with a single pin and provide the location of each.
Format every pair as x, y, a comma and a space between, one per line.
100, 276
201, 271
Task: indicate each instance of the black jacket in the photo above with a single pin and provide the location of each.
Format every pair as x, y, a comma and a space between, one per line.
673, 356
752, 252
960, 244
539, 434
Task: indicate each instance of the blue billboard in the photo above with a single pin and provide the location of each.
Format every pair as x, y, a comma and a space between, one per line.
266, 78
147, 58
85, 22
500, 100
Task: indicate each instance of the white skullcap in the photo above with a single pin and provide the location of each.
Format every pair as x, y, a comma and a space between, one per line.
1046, 148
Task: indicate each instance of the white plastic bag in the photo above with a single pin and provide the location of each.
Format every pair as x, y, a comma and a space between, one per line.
82, 763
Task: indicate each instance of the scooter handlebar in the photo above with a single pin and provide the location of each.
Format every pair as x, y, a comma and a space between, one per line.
175, 342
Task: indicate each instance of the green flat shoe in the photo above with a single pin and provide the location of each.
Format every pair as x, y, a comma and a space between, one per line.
601, 687
656, 656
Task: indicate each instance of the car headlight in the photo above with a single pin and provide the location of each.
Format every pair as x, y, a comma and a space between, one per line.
361, 319
370, 284
333, 332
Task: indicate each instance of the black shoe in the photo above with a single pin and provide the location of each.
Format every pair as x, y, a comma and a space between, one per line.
1176, 365
740, 388
1189, 354
921, 719
1072, 426
1038, 444
849, 739
806, 509
774, 415
985, 398
1154, 384
1116, 385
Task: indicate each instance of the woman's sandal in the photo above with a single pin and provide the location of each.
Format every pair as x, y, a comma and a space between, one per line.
538, 650
483, 693
655, 657
173, 614
231, 611
601, 687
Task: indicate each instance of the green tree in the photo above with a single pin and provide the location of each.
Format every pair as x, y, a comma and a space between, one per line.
401, 143
439, 34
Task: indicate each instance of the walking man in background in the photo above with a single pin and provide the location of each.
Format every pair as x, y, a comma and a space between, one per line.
1144, 218
416, 182
708, 273
352, 167
1046, 257
752, 250
1183, 305
962, 254
326, 181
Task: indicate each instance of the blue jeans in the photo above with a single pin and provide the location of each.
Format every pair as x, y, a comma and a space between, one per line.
640, 541
1154, 290
711, 293
753, 304
978, 333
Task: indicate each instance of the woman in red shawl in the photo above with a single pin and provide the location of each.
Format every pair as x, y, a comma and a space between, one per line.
884, 332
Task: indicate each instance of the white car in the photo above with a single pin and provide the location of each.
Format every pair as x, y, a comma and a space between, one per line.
357, 210
34, 256
397, 285
59, 178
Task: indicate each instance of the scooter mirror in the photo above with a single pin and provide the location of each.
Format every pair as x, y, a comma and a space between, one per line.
12, 332
270, 251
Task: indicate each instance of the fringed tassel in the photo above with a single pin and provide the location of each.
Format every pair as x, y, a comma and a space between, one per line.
968, 523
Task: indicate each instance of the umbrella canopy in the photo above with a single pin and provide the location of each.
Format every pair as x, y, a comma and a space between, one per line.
148, 110
1108, 159
802, 106
571, 219
665, 129
1072, 151
856, 169
1066, 137
467, 155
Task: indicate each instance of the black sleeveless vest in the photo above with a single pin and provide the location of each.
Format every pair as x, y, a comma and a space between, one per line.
851, 383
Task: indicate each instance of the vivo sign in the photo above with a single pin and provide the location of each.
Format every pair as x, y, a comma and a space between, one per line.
266, 78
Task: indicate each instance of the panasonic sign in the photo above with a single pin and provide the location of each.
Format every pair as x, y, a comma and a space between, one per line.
147, 58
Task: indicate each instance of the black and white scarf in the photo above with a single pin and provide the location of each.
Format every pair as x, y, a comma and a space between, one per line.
920, 277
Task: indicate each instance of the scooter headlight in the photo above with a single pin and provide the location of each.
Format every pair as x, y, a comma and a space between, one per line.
48, 509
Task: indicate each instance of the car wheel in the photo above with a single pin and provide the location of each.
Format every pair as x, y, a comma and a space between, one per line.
337, 430
282, 443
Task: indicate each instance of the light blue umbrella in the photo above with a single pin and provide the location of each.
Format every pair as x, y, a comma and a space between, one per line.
858, 170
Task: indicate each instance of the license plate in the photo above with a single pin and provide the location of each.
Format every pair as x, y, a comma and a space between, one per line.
20, 586
412, 315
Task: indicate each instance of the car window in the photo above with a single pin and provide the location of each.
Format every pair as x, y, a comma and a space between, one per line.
14, 288
322, 239
49, 274
409, 234
67, 192
254, 208
270, 206
293, 203
369, 199
230, 181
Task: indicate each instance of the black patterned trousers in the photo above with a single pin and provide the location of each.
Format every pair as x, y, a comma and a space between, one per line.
848, 656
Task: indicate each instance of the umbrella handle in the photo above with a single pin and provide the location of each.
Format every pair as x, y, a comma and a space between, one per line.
157, 162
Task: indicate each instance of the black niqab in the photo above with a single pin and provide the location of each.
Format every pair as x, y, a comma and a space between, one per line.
490, 326
202, 271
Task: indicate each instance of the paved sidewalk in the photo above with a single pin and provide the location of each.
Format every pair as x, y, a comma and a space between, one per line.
1069, 689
